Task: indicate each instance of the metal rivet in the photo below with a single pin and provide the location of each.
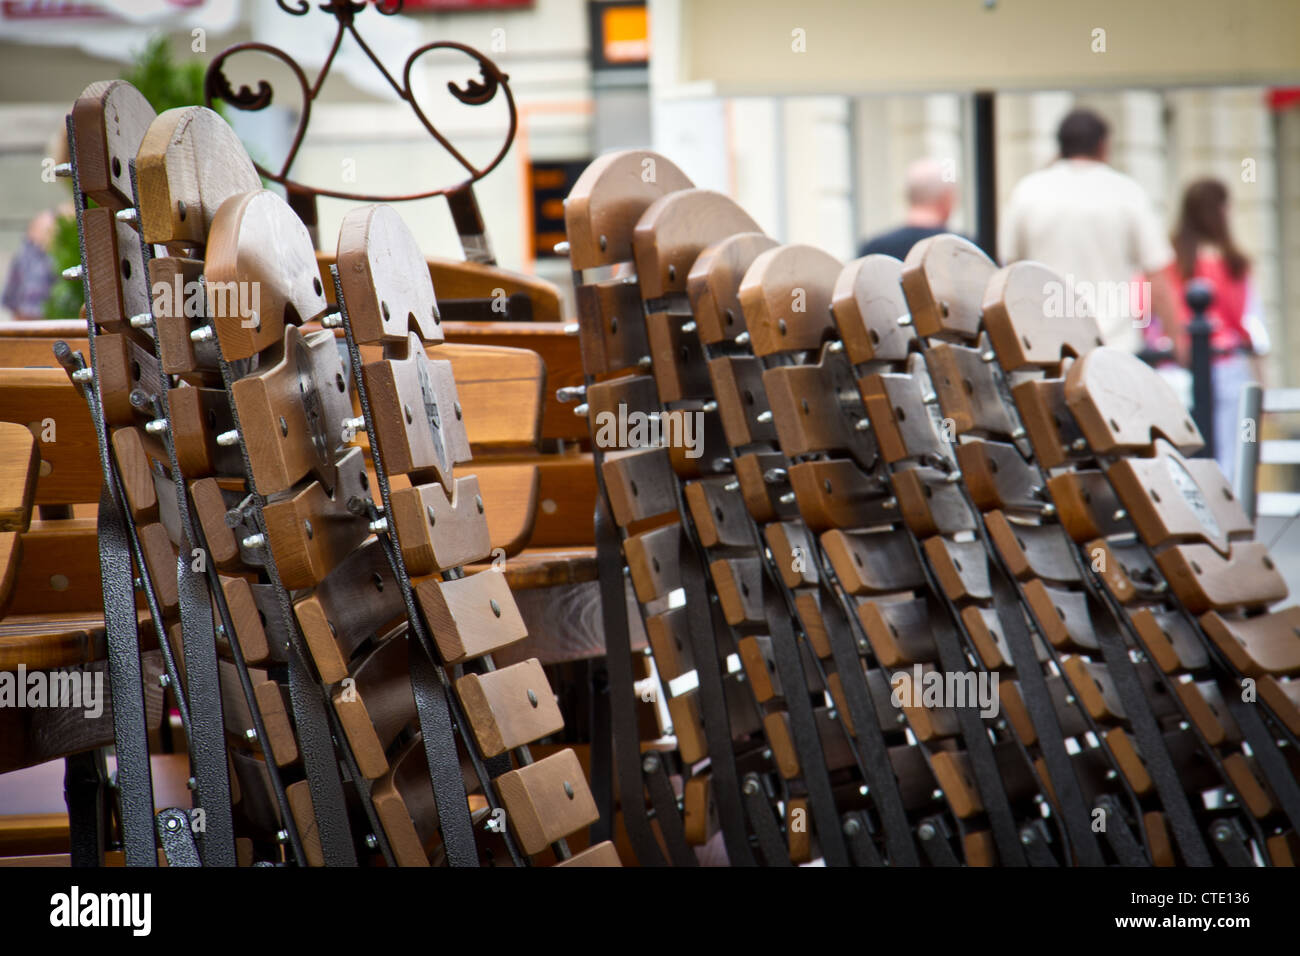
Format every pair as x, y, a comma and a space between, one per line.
284, 427
496, 609
478, 503
432, 517
532, 697
307, 527
458, 412
568, 790
406, 410
383, 306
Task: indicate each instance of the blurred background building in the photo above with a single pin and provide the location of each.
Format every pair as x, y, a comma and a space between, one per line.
812, 141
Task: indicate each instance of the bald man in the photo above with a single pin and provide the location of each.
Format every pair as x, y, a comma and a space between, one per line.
930, 199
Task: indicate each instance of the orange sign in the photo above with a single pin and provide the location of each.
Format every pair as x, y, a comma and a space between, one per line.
625, 31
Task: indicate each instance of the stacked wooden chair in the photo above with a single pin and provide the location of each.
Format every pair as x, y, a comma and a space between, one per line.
908, 476
288, 487
894, 568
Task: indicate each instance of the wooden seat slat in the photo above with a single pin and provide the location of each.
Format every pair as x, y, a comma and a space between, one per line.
509, 707
547, 800
1265, 644
471, 616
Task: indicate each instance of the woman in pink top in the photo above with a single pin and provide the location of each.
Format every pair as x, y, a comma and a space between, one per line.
1203, 249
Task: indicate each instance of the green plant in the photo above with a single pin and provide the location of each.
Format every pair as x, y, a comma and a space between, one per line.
166, 84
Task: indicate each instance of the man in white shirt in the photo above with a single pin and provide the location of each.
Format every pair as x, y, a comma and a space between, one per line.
1098, 229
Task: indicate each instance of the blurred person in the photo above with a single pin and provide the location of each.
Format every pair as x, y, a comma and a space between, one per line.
930, 201
1097, 228
1204, 249
31, 271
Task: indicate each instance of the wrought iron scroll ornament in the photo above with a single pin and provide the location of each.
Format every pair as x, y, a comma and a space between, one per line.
475, 92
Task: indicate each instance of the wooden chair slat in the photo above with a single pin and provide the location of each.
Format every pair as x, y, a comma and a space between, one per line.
873, 564
437, 531
239, 259
714, 283
786, 297
189, 162
1122, 405
1020, 323
867, 301
471, 616
1205, 580
675, 229
509, 707
547, 800
601, 212
1265, 644
944, 278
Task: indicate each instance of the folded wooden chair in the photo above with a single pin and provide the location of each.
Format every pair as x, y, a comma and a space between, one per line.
298, 557
917, 505
608, 199
863, 579
1168, 547
819, 784
757, 306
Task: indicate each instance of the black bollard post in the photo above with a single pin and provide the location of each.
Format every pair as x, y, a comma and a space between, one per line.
1199, 295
